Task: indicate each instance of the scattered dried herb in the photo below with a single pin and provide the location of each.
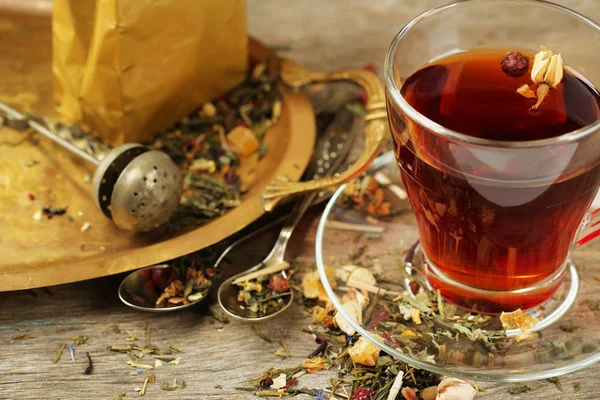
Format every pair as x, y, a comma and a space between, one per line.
520, 389
144, 386
50, 211
119, 395
170, 388
576, 386
556, 382
90, 367
59, 354
285, 348
80, 339
261, 335
24, 336
569, 328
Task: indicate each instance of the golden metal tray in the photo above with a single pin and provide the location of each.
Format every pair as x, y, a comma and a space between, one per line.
42, 253
48, 252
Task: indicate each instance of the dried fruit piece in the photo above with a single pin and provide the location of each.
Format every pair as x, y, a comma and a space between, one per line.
314, 364
244, 141
515, 64
518, 320
364, 352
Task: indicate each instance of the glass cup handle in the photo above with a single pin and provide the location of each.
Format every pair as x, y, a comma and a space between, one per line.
590, 227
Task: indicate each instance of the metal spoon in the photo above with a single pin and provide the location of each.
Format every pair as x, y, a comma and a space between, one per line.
330, 152
134, 292
137, 188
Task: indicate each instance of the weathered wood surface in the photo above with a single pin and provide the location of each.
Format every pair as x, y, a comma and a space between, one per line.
319, 34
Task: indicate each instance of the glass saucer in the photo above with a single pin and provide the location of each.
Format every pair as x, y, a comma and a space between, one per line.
566, 338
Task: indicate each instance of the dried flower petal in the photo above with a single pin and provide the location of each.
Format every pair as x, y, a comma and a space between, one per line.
354, 312
362, 275
415, 314
455, 389
364, 352
526, 91
555, 71
542, 91
409, 394
280, 382
541, 61
314, 364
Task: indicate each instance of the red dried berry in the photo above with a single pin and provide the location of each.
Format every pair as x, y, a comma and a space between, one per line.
414, 287
515, 64
362, 393
30, 196
278, 284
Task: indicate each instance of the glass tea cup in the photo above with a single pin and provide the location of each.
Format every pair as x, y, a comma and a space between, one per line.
496, 219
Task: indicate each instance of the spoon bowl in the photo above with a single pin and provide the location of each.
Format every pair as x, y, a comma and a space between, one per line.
228, 293
141, 288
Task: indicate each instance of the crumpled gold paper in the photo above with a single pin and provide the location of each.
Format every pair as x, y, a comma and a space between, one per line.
128, 68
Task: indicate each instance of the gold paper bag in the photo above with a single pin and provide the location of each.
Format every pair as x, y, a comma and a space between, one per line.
128, 68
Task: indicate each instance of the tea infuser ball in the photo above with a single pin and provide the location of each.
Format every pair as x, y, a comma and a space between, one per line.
138, 188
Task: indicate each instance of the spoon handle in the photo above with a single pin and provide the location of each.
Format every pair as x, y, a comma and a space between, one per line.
15, 117
330, 152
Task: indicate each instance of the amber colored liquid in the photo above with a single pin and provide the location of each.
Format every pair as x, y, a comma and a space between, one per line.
496, 238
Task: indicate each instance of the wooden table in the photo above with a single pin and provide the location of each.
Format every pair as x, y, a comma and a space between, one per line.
216, 358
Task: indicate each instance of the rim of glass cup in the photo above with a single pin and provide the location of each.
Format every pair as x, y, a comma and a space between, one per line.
496, 377
414, 115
